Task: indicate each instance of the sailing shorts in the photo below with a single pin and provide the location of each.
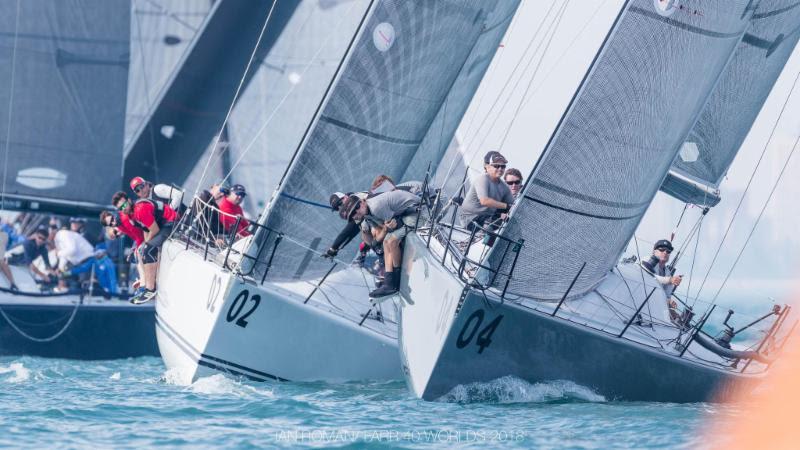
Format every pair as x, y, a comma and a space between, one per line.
406, 223
149, 250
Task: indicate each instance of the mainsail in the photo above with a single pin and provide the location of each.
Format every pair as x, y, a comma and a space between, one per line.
736, 101
394, 80
63, 74
615, 142
438, 140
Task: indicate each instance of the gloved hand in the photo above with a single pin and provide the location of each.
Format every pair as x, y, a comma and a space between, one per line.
330, 254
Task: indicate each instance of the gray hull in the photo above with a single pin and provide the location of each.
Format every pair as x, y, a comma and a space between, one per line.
453, 335
536, 348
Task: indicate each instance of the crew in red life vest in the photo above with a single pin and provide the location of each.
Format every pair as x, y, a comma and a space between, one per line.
156, 219
230, 205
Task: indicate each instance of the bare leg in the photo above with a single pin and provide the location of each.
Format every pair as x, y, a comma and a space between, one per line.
150, 271
391, 253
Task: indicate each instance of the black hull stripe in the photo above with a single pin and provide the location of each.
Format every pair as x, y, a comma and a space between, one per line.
195, 354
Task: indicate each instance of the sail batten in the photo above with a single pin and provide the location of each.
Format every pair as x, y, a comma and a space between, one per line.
404, 63
615, 142
69, 87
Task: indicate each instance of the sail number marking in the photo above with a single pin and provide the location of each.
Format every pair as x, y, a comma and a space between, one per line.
471, 327
238, 304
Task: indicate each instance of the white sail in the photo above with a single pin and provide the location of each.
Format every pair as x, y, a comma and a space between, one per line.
610, 152
397, 75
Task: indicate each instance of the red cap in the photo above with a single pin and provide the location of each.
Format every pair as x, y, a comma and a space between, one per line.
136, 181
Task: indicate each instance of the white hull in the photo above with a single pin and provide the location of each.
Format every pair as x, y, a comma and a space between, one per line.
209, 320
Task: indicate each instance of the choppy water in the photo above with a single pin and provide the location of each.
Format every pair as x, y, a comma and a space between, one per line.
136, 403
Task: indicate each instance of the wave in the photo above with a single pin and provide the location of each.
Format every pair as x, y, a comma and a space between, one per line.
20, 373
510, 389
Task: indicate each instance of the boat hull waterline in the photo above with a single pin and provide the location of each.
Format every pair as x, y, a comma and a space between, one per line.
453, 336
218, 322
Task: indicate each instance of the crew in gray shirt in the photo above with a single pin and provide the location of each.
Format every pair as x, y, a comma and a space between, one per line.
488, 193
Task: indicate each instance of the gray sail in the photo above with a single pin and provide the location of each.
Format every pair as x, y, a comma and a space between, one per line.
437, 140
400, 69
66, 65
274, 111
617, 139
735, 103
161, 33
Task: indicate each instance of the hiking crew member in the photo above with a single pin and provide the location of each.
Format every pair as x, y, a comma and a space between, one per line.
230, 205
122, 224
349, 231
156, 219
163, 192
513, 178
489, 198
390, 215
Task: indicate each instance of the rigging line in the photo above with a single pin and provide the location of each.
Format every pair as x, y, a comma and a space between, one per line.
147, 98
492, 72
644, 284
10, 107
566, 51
278, 107
469, 140
760, 215
556, 24
511, 76
694, 258
235, 97
677, 225
749, 182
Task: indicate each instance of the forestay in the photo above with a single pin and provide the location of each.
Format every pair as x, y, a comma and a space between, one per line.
741, 92
610, 152
393, 82
64, 73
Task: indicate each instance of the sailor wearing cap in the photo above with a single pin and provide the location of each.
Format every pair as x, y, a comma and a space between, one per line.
489, 198
231, 209
657, 265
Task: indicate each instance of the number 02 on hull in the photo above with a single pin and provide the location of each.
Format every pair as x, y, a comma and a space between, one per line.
209, 320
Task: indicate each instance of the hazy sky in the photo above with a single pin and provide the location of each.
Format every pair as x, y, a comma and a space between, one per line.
512, 113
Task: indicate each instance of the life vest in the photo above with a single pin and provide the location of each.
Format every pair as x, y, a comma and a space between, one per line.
158, 213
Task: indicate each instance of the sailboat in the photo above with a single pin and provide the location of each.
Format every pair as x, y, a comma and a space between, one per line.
268, 307
63, 88
551, 300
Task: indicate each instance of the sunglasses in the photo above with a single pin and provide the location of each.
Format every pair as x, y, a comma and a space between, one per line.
138, 188
122, 206
499, 166
514, 182
240, 194
662, 249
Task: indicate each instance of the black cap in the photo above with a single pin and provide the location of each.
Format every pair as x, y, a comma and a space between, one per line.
336, 200
494, 157
349, 207
663, 243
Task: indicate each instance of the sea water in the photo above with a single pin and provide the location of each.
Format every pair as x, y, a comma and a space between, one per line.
138, 403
